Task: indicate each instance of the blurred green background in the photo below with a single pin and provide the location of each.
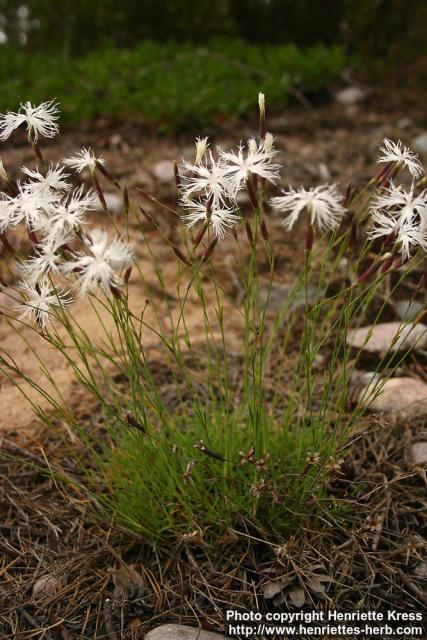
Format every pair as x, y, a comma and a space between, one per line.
178, 64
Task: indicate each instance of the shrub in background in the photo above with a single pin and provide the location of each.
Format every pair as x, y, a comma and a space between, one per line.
167, 85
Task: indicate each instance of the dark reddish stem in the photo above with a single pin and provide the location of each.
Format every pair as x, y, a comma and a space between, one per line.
309, 236
252, 193
99, 192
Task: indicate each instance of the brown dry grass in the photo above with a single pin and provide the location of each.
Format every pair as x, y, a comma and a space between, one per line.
68, 572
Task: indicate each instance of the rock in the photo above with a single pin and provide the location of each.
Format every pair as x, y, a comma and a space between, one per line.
181, 632
324, 173
115, 140
242, 198
408, 309
297, 597
351, 95
114, 202
360, 378
382, 337
163, 171
419, 452
404, 397
421, 569
404, 123
420, 143
45, 588
280, 295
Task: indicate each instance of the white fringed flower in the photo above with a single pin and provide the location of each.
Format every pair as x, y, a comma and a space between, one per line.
54, 180
403, 214
68, 215
102, 262
222, 219
40, 300
401, 204
408, 233
397, 152
201, 147
40, 120
7, 214
32, 206
255, 161
85, 159
44, 263
209, 179
322, 204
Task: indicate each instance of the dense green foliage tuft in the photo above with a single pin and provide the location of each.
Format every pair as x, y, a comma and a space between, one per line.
167, 85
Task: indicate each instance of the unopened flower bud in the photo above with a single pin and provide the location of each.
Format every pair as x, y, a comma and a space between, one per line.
177, 176
350, 192
99, 163
181, 256
369, 272
3, 173
100, 192
207, 254
201, 146
264, 231
268, 142
252, 145
388, 260
261, 103
127, 274
147, 215
200, 235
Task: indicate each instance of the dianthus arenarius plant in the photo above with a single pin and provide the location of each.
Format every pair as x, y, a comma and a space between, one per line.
222, 414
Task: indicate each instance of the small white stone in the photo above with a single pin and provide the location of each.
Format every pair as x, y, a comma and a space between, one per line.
421, 569
283, 296
350, 95
404, 123
163, 171
408, 309
242, 198
114, 202
382, 337
405, 398
420, 143
46, 587
181, 632
324, 173
116, 140
419, 452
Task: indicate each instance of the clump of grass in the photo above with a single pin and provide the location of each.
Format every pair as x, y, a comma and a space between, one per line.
168, 85
202, 438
